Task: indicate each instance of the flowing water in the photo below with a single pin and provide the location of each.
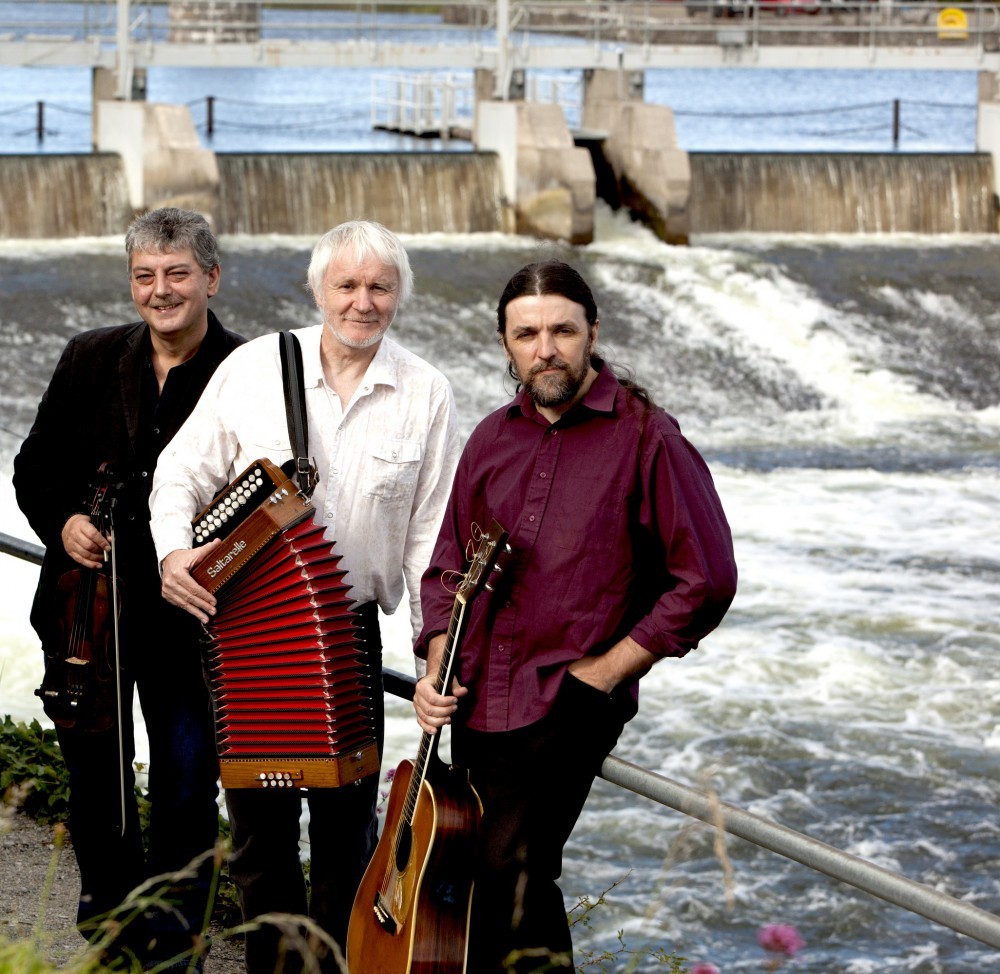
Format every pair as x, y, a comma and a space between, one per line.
845, 393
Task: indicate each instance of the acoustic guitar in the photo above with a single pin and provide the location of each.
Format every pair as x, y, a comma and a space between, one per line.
411, 912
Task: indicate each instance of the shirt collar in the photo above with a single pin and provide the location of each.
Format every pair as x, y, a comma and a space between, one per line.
599, 398
383, 369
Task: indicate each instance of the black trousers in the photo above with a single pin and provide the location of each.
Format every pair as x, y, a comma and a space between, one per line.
265, 863
162, 663
533, 783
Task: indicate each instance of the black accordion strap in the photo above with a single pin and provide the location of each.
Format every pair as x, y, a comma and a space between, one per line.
295, 409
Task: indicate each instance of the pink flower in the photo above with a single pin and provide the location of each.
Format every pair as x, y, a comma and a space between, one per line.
704, 967
782, 938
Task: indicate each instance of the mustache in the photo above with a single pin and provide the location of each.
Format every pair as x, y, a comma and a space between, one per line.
546, 366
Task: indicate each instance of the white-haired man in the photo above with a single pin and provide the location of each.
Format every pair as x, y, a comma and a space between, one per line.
384, 437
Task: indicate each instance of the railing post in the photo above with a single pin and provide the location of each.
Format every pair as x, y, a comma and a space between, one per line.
502, 89
895, 123
40, 121
210, 115
123, 53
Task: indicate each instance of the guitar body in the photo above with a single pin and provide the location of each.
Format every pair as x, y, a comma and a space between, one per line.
411, 912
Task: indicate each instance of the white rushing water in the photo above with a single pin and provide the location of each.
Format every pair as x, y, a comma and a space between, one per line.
844, 392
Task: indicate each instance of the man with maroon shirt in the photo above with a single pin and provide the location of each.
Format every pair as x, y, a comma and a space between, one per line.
621, 556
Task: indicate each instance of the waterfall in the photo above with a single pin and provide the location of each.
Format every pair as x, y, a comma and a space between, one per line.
842, 193
307, 193
62, 196
460, 192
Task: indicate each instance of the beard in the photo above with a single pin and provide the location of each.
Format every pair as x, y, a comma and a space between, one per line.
373, 339
556, 390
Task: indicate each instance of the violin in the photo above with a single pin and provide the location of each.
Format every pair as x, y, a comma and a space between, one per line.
82, 679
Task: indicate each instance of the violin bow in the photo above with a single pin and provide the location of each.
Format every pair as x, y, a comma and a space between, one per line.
118, 668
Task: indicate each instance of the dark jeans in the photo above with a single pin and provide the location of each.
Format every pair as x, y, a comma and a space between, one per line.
343, 825
533, 783
184, 818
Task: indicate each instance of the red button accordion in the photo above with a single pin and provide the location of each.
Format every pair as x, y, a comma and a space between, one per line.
292, 691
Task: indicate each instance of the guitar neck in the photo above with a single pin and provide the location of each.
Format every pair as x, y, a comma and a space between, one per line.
427, 751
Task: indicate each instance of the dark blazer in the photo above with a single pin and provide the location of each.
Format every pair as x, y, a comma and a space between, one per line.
90, 414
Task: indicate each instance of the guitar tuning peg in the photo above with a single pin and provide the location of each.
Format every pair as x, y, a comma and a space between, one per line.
488, 587
508, 549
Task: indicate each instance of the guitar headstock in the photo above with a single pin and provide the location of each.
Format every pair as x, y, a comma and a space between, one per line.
490, 546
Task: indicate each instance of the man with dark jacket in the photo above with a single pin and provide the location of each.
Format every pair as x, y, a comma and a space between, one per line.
117, 396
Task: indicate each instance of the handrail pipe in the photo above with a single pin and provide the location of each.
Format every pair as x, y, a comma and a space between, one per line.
882, 883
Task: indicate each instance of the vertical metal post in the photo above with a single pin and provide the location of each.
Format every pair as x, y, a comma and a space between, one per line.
123, 53
40, 122
210, 115
503, 51
895, 123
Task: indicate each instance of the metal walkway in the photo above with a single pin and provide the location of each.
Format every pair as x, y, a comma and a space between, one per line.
503, 35
882, 883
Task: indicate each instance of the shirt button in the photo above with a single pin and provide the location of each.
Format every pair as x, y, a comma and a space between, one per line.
329, 517
156, 431
144, 474
542, 475
531, 517
502, 648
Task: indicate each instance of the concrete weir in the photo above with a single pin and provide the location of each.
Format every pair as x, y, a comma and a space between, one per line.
527, 174
547, 183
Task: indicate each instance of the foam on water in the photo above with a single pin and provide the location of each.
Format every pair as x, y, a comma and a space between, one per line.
851, 691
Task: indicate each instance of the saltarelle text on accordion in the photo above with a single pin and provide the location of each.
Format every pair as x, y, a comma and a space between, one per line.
290, 681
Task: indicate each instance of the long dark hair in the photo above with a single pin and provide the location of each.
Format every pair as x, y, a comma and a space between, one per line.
557, 277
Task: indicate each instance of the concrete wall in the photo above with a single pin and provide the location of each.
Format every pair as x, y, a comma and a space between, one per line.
988, 122
547, 180
214, 21
652, 174
165, 164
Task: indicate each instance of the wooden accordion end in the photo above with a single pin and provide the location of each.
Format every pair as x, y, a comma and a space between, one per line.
292, 690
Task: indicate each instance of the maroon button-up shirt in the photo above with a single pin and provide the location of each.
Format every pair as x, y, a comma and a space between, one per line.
616, 530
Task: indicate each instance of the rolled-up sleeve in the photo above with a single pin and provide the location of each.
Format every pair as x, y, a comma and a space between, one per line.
681, 511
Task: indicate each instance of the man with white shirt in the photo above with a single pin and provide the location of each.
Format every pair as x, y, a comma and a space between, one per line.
384, 438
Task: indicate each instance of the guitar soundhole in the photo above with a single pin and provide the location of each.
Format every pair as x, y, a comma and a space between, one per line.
404, 843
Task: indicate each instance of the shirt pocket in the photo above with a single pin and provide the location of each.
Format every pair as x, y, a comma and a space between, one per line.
391, 469
268, 444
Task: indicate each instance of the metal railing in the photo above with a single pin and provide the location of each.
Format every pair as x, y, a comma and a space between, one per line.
427, 103
422, 103
489, 33
882, 883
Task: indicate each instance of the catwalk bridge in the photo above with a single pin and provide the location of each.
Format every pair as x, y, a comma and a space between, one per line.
502, 36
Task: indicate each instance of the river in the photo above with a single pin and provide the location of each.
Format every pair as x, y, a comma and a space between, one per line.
845, 393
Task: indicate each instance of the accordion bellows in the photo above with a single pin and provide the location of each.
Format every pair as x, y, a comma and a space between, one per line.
290, 682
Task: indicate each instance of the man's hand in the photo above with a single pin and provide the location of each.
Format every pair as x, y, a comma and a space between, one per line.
179, 587
625, 659
434, 709
83, 542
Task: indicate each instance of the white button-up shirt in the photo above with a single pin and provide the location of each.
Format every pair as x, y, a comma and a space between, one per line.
385, 463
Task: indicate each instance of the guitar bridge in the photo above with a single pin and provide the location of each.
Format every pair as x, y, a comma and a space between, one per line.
384, 916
